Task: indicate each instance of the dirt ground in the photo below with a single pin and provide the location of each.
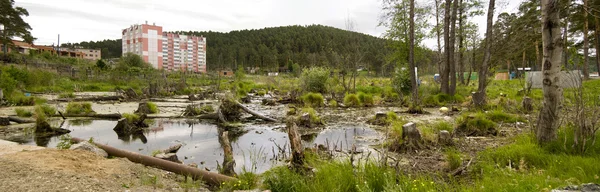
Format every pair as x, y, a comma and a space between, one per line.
67, 170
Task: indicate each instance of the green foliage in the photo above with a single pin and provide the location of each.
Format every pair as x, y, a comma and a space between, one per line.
242, 88
443, 125
501, 116
77, 108
153, 108
131, 118
352, 100
19, 99
314, 118
23, 113
7, 83
240, 74
109, 48
401, 81
131, 61
476, 124
365, 99
390, 95
261, 93
47, 109
15, 26
441, 100
312, 99
246, 181
333, 103
315, 79
453, 158
66, 95
65, 142
101, 65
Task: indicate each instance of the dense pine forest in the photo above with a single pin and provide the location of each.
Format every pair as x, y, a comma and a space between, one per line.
273, 49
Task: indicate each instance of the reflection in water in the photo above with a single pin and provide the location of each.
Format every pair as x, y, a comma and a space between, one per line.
80, 122
261, 147
42, 140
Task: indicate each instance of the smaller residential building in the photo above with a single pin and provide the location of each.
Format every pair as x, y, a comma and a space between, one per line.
25, 48
90, 54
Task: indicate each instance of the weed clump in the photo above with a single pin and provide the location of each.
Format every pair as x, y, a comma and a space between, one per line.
47, 109
476, 125
333, 103
23, 113
152, 107
312, 99
68, 95
366, 99
352, 100
131, 118
76, 108
443, 125
309, 118
453, 158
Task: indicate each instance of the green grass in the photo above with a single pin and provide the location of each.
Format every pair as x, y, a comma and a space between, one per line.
312, 99
475, 124
246, 181
23, 113
352, 100
131, 118
152, 107
314, 118
333, 103
366, 99
47, 109
66, 95
453, 158
77, 108
443, 125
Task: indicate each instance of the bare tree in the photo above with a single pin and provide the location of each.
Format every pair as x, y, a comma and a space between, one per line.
411, 60
451, 61
479, 96
446, 70
586, 42
461, 69
438, 34
548, 120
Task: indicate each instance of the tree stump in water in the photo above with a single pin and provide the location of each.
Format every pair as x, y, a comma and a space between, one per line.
42, 128
411, 137
143, 108
228, 160
296, 146
131, 94
527, 104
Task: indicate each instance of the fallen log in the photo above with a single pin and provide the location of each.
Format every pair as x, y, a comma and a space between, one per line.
260, 116
20, 121
97, 98
213, 179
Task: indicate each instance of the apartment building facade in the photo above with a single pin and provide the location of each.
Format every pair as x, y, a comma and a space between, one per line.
168, 51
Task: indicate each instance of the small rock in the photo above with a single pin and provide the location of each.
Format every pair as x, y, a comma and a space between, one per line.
168, 156
86, 146
445, 138
444, 109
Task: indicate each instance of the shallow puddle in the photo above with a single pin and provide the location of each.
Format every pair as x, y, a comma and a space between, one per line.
263, 146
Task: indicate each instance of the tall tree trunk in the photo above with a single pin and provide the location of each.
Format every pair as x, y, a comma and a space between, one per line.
461, 67
445, 73
586, 42
538, 58
565, 39
438, 31
452, 89
411, 59
523, 64
479, 96
548, 119
597, 33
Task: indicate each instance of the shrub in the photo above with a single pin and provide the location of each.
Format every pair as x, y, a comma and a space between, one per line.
476, 125
19, 99
76, 108
365, 99
152, 107
312, 99
314, 79
401, 81
333, 103
352, 100
23, 113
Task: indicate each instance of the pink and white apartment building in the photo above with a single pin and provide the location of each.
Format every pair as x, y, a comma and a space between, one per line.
169, 51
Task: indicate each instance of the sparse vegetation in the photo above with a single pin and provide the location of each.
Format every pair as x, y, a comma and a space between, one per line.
152, 107
77, 108
68, 95
313, 100
23, 113
352, 100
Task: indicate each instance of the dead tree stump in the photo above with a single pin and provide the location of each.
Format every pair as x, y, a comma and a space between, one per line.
527, 104
143, 108
296, 146
445, 138
411, 137
228, 160
4, 121
131, 94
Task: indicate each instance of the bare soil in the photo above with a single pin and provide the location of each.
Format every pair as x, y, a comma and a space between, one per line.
67, 170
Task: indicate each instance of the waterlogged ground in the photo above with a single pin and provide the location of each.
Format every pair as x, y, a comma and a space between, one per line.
261, 147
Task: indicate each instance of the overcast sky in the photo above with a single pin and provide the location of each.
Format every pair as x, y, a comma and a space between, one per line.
85, 20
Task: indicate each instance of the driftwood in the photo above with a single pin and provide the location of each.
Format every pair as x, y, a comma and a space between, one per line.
19, 120
97, 98
44, 128
260, 116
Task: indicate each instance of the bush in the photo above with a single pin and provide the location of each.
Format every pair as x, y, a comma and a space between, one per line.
314, 79
475, 125
333, 103
19, 99
152, 107
401, 81
365, 99
75, 108
23, 113
352, 100
312, 99
261, 93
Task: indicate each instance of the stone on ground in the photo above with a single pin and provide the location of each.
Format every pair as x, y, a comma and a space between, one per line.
86, 146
